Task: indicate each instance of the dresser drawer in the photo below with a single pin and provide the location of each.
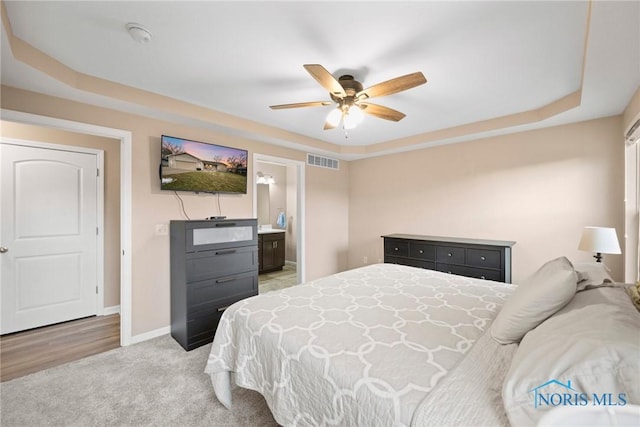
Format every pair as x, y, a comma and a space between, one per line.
422, 251
212, 235
200, 330
202, 325
429, 265
485, 258
394, 247
207, 291
224, 262
477, 273
450, 254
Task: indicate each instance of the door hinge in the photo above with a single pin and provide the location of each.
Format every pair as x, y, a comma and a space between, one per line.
96, 289
97, 231
97, 172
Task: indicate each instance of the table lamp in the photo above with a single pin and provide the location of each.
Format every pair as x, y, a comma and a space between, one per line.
601, 240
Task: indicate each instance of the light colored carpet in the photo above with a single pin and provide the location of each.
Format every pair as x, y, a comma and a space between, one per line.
154, 383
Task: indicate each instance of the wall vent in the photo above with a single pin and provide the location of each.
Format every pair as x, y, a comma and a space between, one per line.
322, 162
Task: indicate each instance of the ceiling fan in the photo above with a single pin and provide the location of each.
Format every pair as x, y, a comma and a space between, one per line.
350, 98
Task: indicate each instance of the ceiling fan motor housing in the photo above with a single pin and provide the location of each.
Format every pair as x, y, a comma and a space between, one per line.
351, 87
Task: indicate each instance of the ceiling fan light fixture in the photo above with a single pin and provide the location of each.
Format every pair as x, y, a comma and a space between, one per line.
334, 116
353, 117
348, 94
356, 113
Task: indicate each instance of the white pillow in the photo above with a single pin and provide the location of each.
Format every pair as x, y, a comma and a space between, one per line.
592, 346
592, 275
538, 297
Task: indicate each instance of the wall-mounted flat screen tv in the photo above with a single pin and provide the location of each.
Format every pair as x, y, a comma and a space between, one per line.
201, 167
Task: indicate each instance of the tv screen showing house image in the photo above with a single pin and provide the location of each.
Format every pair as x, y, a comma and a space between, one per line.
200, 167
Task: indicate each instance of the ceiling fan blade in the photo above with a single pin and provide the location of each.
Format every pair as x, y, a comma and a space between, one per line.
326, 79
328, 126
301, 104
393, 86
381, 112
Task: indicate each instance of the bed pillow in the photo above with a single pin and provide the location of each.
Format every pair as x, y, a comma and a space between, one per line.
538, 297
634, 294
587, 350
592, 274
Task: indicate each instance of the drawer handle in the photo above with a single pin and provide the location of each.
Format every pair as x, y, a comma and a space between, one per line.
227, 279
482, 277
395, 249
448, 272
223, 308
421, 251
483, 259
231, 251
225, 224
449, 254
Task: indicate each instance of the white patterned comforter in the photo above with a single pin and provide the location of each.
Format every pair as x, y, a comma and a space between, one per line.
359, 348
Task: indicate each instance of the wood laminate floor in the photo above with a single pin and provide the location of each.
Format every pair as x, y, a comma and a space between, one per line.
24, 353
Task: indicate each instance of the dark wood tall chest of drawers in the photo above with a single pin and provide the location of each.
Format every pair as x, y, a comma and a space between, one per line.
479, 258
214, 263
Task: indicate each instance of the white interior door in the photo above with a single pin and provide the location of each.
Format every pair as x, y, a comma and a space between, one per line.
48, 235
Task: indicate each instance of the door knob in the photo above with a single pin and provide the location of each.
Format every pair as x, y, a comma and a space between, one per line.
3, 249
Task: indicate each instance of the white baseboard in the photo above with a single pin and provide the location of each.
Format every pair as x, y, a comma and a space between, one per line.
114, 309
291, 263
150, 335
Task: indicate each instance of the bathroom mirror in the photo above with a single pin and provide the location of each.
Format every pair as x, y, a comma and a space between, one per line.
263, 204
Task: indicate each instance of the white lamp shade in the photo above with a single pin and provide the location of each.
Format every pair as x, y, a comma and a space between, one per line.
599, 239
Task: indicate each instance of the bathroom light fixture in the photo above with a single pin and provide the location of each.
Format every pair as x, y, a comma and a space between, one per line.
350, 114
601, 240
264, 179
139, 33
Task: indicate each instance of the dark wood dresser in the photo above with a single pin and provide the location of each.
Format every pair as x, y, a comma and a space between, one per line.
482, 259
213, 264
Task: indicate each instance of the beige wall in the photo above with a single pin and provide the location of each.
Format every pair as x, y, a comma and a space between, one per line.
111, 191
538, 188
151, 206
292, 215
327, 194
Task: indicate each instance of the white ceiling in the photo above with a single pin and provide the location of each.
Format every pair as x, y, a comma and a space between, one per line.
482, 60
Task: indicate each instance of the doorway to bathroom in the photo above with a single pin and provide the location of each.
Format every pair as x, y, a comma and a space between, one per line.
279, 207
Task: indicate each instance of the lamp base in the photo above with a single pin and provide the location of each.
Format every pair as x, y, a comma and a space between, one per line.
598, 257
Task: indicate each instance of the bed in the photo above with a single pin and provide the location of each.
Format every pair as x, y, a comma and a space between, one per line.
363, 347
392, 345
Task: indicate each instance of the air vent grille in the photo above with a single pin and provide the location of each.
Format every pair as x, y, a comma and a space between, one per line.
322, 162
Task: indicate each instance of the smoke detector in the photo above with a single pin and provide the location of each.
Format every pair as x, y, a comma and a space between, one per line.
139, 33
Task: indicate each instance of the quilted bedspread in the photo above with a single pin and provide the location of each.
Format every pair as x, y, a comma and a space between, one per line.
358, 348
